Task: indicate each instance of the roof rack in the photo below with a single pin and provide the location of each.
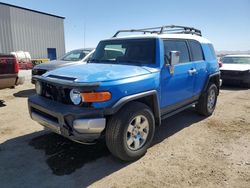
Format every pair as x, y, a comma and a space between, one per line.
173, 29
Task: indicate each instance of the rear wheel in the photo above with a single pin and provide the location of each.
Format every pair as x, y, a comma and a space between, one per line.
207, 101
130, 131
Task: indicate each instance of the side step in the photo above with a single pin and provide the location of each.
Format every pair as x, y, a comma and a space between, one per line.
177, 111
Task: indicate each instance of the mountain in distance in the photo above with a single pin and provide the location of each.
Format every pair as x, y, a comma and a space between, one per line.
229, 52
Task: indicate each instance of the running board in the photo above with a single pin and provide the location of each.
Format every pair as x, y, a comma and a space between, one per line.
177, 111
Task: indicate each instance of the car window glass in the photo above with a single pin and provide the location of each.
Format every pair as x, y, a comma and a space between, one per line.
74, 56
212, 51
111, 52
195, 47
127, 51
176, 45
236, 60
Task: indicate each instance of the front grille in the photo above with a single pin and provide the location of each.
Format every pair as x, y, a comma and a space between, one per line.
56, 93
38, 72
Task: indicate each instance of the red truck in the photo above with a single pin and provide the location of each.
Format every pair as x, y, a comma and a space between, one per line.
9, 69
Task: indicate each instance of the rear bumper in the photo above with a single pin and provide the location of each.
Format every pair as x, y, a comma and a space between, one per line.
8, 80
76, 123
20, 80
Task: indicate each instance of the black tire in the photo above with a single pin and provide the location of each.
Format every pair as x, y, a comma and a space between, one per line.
202, 105
117, 127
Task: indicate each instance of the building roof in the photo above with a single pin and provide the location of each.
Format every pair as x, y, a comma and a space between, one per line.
1, 3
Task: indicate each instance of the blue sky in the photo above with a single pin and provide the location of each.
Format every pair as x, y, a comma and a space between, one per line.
225, 22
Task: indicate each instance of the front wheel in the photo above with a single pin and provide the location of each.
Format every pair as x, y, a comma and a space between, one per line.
207, 101
130, 132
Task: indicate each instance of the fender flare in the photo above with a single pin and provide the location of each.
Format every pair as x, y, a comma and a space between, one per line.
123, 101
216, 77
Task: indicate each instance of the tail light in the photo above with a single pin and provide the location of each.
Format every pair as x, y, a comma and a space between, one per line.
16, 66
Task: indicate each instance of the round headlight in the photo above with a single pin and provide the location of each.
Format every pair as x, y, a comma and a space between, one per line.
38, 88
75, 96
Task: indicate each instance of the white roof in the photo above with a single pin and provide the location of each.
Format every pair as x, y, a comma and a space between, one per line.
239, 55
167, 36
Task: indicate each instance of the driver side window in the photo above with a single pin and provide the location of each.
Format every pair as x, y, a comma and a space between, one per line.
176, 45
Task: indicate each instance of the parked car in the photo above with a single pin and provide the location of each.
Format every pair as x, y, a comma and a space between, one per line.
24, 59
9, 69
70, 58
123, 97
236, 69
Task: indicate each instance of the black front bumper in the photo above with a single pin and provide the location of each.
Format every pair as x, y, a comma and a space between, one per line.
235, 77
59, 117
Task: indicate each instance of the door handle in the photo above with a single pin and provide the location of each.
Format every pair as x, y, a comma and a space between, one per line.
192, 71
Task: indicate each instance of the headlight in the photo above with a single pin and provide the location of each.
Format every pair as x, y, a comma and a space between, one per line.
75, 96
38, 88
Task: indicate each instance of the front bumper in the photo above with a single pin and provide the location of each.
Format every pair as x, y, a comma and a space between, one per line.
74, 122
235, 77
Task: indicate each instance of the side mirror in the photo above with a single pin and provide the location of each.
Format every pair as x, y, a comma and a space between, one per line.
174, 57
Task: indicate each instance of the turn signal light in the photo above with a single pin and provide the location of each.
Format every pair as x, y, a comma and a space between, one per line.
96, 96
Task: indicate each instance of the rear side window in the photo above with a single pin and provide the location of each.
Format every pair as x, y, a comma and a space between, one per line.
212, 51
176, 45
196, 50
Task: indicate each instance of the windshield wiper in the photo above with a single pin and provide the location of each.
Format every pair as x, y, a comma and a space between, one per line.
101, 61
132, 61
93, 61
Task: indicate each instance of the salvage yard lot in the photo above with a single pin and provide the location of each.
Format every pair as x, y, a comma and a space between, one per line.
188, 150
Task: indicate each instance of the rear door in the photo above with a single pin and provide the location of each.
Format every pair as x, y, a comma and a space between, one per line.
200, 65
177, 88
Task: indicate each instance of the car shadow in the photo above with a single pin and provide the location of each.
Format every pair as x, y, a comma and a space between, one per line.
2, 103
64, 155
176, 123
89, 163
25, 93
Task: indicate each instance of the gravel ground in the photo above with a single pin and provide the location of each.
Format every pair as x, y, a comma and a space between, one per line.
188, 150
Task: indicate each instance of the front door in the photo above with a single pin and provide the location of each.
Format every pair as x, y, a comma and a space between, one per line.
177, 89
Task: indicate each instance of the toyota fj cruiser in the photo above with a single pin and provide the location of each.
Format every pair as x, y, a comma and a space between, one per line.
123, 95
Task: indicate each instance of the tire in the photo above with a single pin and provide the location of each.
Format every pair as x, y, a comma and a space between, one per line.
119, 135
205, 106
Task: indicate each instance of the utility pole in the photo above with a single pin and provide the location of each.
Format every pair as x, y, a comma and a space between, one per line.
84, 35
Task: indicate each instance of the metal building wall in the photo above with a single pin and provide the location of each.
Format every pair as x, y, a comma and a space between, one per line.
6, 43
31, 31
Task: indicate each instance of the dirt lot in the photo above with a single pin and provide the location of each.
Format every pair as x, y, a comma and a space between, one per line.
188, 150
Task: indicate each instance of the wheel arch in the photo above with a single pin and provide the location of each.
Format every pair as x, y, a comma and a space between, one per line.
213, 78
149, 98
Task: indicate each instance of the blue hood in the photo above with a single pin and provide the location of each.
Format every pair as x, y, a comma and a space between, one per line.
96, 72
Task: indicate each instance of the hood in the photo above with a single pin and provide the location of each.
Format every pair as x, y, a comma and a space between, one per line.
55, 64
236, 67
95, 72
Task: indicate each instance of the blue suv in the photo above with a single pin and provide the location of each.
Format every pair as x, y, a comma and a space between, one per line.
123, 93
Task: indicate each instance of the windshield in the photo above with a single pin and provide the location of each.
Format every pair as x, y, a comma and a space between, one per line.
236, 60
75, 55
127, 51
